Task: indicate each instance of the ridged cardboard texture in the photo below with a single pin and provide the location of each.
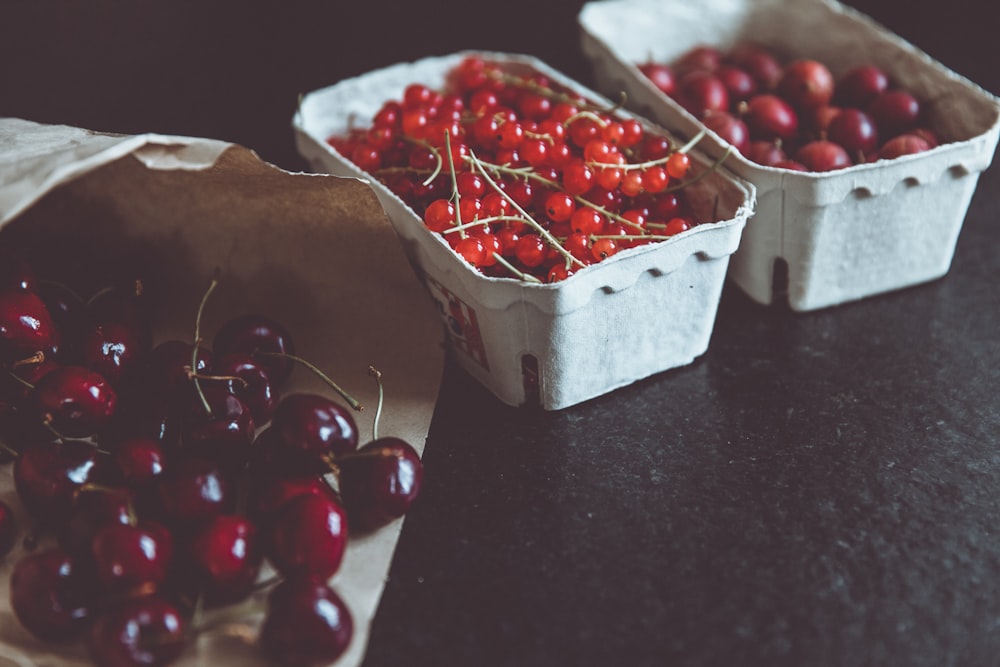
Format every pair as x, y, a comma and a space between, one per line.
640, 312
847, 234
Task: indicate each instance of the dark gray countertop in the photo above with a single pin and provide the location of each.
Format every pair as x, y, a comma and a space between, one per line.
817, 489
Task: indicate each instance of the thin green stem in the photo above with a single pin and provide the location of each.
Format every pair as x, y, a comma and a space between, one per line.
353, 402
197, 342
544, 233
374, 372
712, 167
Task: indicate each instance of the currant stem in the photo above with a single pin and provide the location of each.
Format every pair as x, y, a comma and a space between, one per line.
375, 373
526, 277
544, 233
454, 189
197, 342
712, 167
437, 157
353, 402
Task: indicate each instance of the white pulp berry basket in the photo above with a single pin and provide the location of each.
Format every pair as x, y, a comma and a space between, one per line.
846, 234
642, 311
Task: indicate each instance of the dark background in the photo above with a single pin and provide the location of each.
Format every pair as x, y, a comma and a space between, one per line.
817, 489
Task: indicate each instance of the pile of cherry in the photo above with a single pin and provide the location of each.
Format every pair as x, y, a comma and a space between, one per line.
154, 491
522, 177
795, 115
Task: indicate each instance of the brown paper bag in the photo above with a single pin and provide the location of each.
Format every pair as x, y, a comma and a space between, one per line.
314, 252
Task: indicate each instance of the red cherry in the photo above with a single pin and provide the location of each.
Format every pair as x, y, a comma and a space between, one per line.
167, 371
92, 509
26, 326
308, 535
806, 84
730, 128
51, 598
759, 62
770, 117
904, 144
76, 401
251, 333
254, 387
895, 112
855, 131
192, 491
662, 76
739, 83
767, 153
380, 482
268, 491
111, 349
309, 428
823, 156
125, 556
700, 91
140, 631
307, 624
47, 474
859, 86
699, 57
225, 432
225, 555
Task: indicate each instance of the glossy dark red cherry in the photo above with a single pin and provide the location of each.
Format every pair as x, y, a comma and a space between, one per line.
767, 153
770, 117
226, 556
823, 155
854, 130
759, 62
26, 326
307, 624
167, 371
75, 401
895, 112
47, 474
309, 428
661, 76
380, 482
730, 128
269, 491
806, 84
700, 91
254, 386
92, 509
127, 555
251, 333
224, 433
904, 144
50, 596
8, 529
126, 304
139, 632
192, 492
307, 535
112, 349
860, 85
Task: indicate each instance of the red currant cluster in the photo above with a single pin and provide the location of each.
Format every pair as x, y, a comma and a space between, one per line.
522, 177
162, 477
794, 115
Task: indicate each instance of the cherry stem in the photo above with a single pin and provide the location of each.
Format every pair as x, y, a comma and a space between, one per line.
229, 378
375, 373
10, 450
197, 342
353, 402
36, 358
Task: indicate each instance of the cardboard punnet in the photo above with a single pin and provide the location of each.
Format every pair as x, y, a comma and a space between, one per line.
846, 234
640, 312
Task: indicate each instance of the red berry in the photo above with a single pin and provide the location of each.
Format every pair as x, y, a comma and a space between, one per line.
823, 156
806, 84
